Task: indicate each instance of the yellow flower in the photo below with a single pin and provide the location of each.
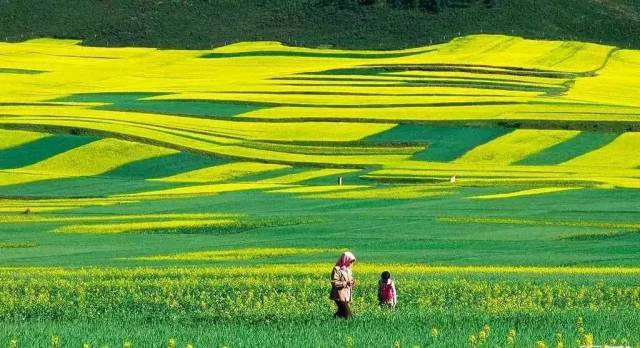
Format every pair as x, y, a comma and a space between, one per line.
473, 341
511, 338
541, 344
349, 342
586, 340
482, 336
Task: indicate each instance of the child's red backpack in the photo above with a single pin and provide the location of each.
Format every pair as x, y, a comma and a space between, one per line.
386, 292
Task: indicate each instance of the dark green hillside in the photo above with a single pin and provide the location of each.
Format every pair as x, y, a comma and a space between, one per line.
383, 24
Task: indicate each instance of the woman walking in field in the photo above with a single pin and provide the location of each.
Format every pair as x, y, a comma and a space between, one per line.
341, 284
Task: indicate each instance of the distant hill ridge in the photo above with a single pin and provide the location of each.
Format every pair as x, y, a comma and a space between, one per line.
354, 24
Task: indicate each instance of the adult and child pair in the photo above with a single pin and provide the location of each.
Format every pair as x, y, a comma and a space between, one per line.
342, 283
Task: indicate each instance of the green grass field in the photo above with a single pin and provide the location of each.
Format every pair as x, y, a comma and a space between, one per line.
148, 195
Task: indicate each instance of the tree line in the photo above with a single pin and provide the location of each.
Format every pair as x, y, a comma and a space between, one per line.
431, 6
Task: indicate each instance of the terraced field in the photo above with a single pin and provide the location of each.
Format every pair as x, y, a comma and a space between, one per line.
496, 176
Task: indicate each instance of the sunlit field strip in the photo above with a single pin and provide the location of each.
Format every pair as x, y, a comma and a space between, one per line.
97, 157
537, 222
503, 176
275, 87
16, 177
479, 82
307, 175
474, 76
115, 126
515, 146
399, 192
356, 77
16, 245
620, 153
484, 169
79, 202
352, 100
23, 209
92, 159
120, 227
367, 84
590, 56
222, 172
180, 126
528, 192
114, 217
211, 148
372, 149
513, 51
11, 138
616, 83
209, 189
218, 130
542, 112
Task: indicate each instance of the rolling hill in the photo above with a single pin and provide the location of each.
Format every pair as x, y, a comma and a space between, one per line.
348, 24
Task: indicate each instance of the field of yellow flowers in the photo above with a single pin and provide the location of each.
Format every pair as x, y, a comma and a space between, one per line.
505, 109
439, 306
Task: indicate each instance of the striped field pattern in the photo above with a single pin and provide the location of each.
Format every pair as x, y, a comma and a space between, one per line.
220, 184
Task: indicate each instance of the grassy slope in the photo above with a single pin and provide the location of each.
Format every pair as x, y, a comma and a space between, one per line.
378, 230
203, 24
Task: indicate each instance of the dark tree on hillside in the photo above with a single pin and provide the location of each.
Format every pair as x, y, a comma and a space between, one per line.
431, 6
489, 3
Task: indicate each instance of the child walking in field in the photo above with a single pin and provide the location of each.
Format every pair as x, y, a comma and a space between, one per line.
387, 291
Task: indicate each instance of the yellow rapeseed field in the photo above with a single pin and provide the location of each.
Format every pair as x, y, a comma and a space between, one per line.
246, 101
515, 146
11, 138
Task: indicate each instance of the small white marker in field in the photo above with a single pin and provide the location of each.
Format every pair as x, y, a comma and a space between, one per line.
453, 179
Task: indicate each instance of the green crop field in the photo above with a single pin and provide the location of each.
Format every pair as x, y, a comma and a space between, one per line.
199, 198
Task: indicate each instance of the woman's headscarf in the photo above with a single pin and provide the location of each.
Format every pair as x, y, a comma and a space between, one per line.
346, 260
